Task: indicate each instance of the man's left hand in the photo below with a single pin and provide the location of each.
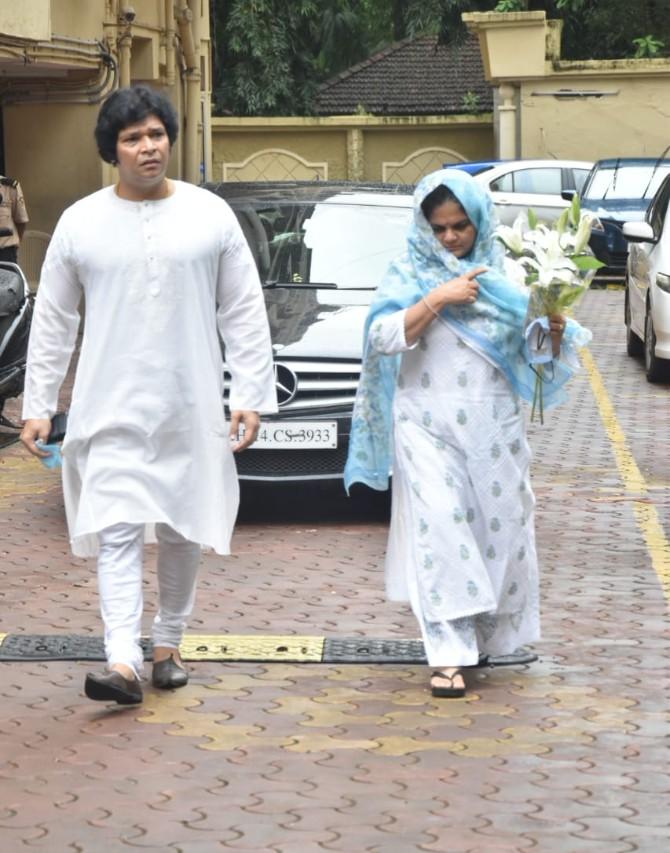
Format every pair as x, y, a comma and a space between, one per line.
251, 421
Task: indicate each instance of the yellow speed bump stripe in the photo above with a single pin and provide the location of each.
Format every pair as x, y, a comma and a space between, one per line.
2, 638
247, 648
645, 512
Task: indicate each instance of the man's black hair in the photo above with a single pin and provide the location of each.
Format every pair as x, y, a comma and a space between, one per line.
128, 106
435, 198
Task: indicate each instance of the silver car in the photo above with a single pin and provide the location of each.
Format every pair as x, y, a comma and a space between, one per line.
517, 185
647, 304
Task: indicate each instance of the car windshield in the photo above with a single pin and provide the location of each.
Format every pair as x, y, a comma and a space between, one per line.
333, 243
639, 181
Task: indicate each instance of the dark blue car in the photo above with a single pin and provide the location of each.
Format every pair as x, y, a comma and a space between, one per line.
619, 190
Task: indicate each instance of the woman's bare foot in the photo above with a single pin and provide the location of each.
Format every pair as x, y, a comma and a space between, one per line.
447, 683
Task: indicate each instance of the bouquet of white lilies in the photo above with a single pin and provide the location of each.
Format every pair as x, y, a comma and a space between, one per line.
558, 267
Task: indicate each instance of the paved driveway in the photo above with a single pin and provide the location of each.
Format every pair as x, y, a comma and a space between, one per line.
568, 754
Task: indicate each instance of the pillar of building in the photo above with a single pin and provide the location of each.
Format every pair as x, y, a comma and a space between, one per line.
355, 154
507, 135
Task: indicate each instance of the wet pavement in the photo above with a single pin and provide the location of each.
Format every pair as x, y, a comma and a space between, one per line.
568, 754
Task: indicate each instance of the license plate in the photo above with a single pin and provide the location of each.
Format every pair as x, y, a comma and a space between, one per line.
296, 435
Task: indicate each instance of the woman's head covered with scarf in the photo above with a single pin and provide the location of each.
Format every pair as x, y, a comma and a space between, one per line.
477, 205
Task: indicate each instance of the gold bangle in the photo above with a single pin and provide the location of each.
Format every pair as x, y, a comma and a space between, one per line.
429, 306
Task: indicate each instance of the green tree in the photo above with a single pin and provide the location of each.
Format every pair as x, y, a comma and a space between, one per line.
270, 55
266, 64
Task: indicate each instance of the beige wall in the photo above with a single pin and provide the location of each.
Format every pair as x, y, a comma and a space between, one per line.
584, 110
395, 143
49, 112
634, 120
354, 147
77, 21
52, 152
28, 19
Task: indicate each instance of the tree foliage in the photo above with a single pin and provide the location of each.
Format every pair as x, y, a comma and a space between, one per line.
269, 56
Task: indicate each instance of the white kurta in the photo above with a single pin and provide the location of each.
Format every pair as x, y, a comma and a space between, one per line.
147, 440
461, 543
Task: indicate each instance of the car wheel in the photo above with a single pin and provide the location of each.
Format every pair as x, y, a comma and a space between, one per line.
655, 368
634, 346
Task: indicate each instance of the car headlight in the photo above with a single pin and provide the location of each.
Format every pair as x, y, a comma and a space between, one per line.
663, 282
596, 224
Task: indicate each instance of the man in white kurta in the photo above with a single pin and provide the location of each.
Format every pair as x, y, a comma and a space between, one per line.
164, 269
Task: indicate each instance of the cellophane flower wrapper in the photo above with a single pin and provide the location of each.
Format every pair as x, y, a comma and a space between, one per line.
557, 266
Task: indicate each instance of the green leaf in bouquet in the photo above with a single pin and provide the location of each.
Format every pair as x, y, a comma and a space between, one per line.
586, 262
532, 219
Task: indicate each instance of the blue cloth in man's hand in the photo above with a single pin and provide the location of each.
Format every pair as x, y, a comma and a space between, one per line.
54, 459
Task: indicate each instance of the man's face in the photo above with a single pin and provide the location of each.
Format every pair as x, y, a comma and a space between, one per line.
142, 153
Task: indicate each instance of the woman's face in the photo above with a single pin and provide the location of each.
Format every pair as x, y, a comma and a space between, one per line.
453, 229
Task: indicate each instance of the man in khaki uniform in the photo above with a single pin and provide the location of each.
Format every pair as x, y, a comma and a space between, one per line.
13, 218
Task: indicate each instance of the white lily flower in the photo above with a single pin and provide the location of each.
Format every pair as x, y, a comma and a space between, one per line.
583, 233
541, 254
513, 237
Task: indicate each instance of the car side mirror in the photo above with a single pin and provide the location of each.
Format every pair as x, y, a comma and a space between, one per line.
639, 232
568, 195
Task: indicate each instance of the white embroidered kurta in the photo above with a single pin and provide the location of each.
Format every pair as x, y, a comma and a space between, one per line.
147, 440
461, 544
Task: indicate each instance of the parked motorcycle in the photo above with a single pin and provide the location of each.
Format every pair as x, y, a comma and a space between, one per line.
16, 311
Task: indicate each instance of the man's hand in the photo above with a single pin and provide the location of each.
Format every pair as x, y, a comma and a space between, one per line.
33, 429
251, 421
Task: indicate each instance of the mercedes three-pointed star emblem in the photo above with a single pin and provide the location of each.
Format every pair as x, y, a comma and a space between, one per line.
286, 383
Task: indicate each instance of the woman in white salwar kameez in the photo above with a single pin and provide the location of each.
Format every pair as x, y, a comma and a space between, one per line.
164, 269
439, 403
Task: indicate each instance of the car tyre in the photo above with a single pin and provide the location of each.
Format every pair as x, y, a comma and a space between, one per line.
634, 346
655, 368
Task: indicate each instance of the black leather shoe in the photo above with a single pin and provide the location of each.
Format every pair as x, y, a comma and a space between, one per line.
113, 687
167, 674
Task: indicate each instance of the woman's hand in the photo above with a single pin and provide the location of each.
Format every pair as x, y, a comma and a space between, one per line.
462, 290
556, 330
458, 291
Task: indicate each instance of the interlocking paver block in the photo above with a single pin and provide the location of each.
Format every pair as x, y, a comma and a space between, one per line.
562, 755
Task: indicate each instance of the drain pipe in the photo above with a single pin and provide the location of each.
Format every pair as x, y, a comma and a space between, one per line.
63, 93
126, 16
169, 43
191, 54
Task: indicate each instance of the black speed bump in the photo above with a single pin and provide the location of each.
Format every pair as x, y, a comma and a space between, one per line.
243, 648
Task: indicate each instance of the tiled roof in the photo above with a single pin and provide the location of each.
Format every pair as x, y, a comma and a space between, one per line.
412, 77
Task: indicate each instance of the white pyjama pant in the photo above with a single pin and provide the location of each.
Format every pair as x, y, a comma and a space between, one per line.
120, 587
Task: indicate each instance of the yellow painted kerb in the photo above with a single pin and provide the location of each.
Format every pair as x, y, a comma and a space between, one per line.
645, 513
246, 647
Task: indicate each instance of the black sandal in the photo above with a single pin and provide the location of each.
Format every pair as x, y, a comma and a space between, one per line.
450, 692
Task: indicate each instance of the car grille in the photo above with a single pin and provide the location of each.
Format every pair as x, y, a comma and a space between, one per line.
291, 464
319, 385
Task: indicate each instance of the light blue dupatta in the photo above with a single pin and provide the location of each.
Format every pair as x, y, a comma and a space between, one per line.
494, 325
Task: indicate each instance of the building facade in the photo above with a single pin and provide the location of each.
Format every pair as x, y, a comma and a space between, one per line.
60, 58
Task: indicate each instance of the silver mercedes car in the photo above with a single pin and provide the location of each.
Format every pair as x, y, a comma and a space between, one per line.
321, 249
